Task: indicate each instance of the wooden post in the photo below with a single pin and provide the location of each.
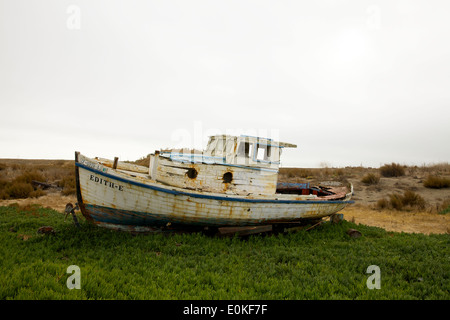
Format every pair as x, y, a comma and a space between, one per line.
116, 160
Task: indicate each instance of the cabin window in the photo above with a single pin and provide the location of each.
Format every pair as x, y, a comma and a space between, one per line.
245, 149
227, 177
264, 153
268, 153
192, 173
261, 152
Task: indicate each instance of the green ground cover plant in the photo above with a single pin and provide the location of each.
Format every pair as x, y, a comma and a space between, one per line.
322, 263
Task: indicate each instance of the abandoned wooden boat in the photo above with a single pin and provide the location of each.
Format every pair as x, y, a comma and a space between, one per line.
233, 182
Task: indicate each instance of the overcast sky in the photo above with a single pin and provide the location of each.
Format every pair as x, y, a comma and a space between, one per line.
350, 82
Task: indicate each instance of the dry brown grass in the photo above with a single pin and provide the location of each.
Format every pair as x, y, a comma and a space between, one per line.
371, 178
392, 170
17, 176
407, 201
437, 168
399, 221
290, 173
436, 182
144, 161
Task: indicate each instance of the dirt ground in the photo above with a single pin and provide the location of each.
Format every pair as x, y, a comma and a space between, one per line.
53, 200
399, 221
426, 221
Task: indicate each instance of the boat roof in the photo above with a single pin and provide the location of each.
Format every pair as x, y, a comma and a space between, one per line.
253, 139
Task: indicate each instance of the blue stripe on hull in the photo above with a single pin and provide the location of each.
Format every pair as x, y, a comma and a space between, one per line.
135, 218
126, 217
206, 196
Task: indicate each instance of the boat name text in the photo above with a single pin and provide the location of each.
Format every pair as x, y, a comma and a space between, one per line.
94, 166
106, 182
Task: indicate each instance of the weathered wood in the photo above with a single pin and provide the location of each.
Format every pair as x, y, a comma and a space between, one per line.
44, 185
210, 178
123, 165
314, 225
148, 202
243, 231
116, 159
200, 189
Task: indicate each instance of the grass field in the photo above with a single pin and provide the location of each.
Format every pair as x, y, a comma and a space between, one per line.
322, 263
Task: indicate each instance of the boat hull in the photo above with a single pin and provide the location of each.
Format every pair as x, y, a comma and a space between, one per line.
113, 199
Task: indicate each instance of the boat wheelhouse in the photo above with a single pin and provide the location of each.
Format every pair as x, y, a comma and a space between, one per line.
230, 164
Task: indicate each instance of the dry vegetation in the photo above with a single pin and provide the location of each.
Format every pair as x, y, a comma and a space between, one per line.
21, 179
436, 182
392, 170
371, 178
394, 197
393, 185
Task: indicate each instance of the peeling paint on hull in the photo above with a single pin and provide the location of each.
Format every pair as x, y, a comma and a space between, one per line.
109, 197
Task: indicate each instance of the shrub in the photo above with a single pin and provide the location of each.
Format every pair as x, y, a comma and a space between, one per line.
382, 204
68, 185
36, 193
436, 182
412, 199
21, 187
444, 208
28, 177
371, 178
19, 190
395, 201
392, 170
144, 161
296, 172
409, 200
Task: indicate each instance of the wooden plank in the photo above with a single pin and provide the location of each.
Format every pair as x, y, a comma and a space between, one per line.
243, 231
44, 185
123, 165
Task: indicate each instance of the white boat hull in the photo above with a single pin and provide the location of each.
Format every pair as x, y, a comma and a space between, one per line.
112, 198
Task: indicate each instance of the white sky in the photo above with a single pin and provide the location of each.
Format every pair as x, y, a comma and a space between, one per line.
350, 82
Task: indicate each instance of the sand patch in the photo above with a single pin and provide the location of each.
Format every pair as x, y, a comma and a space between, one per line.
54, 201
399, 221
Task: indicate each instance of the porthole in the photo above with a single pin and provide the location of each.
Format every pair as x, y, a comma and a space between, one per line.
227, 177
192, 173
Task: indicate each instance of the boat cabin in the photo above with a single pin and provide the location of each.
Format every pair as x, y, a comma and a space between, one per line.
229, 164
